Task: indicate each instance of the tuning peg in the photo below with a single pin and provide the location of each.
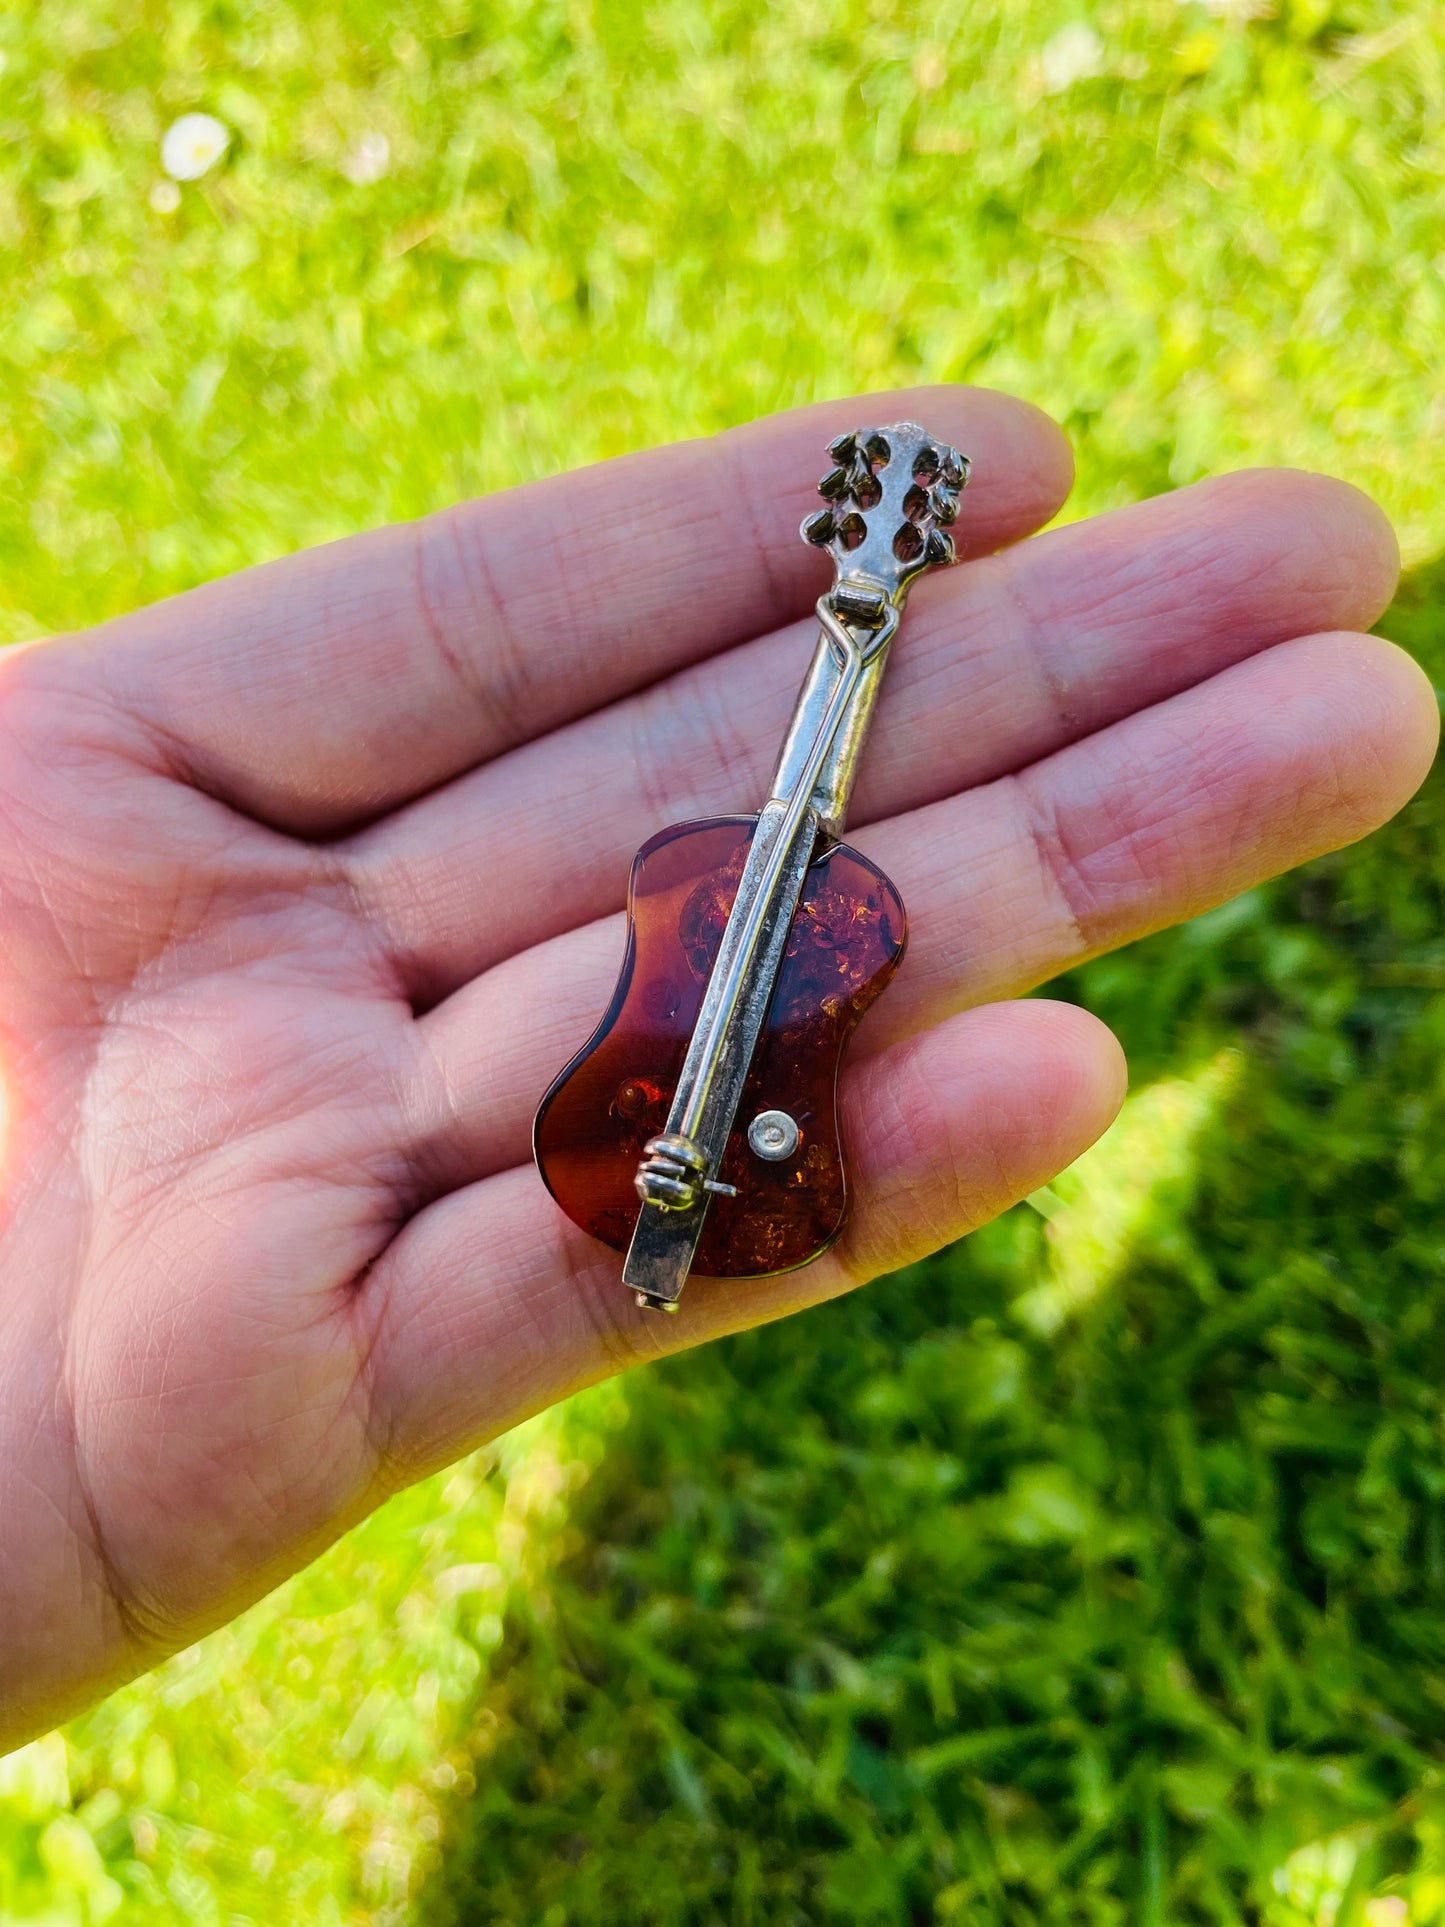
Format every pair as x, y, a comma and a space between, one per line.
943, 505
939, 548
842, 449
835, 484
955, 469
867, 489
820, 528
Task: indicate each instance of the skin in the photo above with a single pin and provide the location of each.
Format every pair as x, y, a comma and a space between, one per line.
311, 879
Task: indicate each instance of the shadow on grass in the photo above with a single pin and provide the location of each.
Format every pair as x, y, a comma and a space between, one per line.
910, 1611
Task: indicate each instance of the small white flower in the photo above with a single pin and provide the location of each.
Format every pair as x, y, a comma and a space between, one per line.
367, 160
1075, 53
192, 145
165, 197
930, 70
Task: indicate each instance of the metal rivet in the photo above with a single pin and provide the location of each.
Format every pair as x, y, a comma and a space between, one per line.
773, 1135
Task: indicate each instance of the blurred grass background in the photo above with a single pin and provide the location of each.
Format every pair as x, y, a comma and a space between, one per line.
1093, 1572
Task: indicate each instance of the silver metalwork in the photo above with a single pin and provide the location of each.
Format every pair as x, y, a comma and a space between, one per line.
774, 1135
890, 496
671, 1170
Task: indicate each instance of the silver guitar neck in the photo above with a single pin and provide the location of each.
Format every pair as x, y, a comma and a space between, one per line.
890, 497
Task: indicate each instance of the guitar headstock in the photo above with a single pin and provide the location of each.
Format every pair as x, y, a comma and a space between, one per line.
890, 499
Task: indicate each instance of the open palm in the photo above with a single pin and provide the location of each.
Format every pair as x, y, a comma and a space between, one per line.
310, 880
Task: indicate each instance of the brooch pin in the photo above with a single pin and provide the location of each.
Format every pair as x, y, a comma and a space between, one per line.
697, 1129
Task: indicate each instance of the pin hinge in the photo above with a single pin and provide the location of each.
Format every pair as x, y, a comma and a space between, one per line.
857, 602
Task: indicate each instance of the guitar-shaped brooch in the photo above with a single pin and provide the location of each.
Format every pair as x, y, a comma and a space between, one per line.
697, 1130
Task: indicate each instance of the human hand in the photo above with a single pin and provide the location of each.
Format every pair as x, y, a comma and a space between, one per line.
310, 881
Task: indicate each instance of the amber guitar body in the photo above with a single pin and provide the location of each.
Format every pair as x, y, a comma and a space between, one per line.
845, 944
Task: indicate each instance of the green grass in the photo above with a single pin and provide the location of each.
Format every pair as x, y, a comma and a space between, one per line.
1091, 1573
294, 1766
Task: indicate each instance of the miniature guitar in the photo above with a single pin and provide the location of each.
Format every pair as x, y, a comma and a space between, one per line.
697, 1129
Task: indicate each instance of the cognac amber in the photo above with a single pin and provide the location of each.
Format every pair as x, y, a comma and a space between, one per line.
844, 946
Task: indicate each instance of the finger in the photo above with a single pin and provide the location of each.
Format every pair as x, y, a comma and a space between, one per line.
1155, 819
324, 688
1004, 661
490, 1305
